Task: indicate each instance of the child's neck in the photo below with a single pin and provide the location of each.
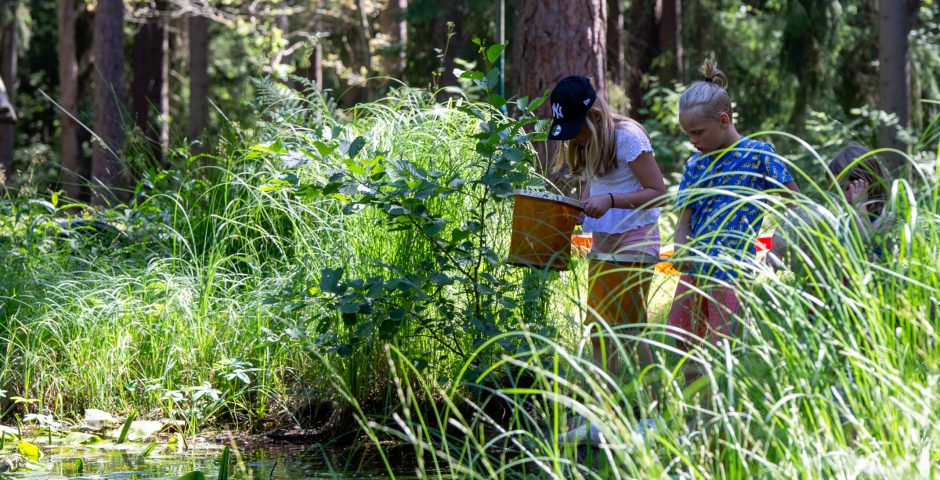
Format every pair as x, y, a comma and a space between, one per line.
731, 138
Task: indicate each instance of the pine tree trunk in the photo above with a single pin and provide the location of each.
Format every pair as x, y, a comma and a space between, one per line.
9, 47
315, 70
643, 48
670, 39
73, 166
395, 25
365, 47
616, 62
109, 176
198, 78
893, 73
150, 90
554, 39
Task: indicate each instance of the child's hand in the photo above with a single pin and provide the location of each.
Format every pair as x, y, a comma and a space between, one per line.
597, 206
857, 193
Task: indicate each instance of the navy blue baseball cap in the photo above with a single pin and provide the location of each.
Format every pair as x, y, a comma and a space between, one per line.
570, 101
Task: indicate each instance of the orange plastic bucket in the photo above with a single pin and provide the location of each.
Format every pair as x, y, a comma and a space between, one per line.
542, 224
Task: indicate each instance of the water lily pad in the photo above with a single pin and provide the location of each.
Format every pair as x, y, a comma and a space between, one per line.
141, 429
98, 419
79, 438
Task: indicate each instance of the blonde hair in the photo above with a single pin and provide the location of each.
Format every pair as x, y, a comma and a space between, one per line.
597, 156
710, 95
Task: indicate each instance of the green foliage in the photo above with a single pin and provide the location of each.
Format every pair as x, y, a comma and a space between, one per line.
838, 367
461, 292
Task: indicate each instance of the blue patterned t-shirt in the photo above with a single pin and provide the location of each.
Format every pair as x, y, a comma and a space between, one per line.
724, 224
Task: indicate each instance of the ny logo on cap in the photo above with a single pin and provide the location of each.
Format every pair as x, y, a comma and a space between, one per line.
556, 110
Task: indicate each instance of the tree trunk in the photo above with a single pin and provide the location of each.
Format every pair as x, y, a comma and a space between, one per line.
365, 46
669, 14
643, 48
73, 167
9, 46
108, 174
395, 25
616, 62
554, 39
198, 79
893, 74
315, 70
151, 103
655, 32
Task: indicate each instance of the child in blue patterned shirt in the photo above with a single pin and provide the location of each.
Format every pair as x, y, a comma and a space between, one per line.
719, 217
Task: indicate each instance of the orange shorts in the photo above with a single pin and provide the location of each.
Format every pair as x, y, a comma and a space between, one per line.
618, 286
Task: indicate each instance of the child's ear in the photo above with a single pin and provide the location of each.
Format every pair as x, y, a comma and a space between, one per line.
724, 119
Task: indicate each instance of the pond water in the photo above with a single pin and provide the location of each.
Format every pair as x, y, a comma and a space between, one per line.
265, 460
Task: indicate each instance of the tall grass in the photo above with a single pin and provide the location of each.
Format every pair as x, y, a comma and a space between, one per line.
835, 377
206, 304
211, 305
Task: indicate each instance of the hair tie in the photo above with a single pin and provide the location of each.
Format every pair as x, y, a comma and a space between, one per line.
709, 80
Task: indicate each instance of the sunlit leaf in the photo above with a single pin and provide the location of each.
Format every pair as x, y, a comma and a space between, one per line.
28, 450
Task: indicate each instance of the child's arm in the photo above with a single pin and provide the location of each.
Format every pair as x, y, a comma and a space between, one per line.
647, 172
683, 232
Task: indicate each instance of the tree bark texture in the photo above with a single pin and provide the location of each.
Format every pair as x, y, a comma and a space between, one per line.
394, 24
198, 77
107, 171
9, 47
151, 105
655, 30
893, 73
616, 61
365, 46
670, 38
74, 168
552, 40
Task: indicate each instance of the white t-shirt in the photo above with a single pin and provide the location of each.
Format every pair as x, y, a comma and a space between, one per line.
631, 142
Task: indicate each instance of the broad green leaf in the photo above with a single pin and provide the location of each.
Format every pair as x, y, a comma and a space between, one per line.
356, 146
514, 154
329, 279
535, 103
496, 100
492, 79
493, 53
197, 475
28, 450
472, 75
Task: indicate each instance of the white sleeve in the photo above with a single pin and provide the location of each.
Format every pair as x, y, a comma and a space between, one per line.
631, 142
